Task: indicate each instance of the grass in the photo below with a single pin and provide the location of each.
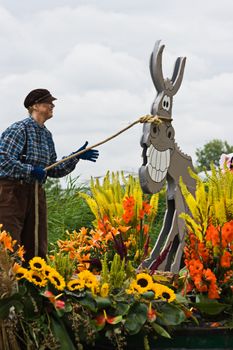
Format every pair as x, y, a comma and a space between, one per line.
66, 210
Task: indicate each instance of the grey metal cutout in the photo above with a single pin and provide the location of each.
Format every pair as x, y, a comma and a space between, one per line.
164, 162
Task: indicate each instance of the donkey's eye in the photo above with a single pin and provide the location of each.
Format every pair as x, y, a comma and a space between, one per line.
166, 103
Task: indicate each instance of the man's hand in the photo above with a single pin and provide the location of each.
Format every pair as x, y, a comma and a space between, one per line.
91, 155
39, 173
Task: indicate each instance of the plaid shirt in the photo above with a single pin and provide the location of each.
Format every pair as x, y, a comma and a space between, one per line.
28, 138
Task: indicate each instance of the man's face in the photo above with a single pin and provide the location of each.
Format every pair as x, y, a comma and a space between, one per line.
45, 110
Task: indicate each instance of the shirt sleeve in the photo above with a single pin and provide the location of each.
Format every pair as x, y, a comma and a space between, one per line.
62, 169
11, 147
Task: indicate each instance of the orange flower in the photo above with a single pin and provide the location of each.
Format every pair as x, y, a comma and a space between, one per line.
227, 233
212, 235
21, 252
6, 240
128, 205
226, 259
209, 276
146, 229
213, 291
195, 267
146, 207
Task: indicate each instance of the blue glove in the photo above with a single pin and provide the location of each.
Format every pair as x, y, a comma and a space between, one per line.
91, 155
39, 173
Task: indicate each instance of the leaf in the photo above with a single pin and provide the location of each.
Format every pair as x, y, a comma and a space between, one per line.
210, 306
148, 295
102, 303
61, 334
160, 330
89, 302
171, 315
136, 318
122, 309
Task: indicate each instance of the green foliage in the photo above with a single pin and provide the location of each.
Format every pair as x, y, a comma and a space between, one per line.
211, 152
66, 210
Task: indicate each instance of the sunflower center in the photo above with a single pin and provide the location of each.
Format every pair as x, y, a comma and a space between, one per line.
57, 280
37, 278
142, 282
165, 295
37, 265
19, 274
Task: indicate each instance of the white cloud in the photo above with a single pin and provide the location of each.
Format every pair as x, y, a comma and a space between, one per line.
93, 56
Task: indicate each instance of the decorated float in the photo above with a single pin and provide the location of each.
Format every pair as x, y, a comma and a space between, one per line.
117, 284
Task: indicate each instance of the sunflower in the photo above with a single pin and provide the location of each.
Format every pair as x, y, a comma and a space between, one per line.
144, 281
56, 279
76, 284
20, 273
36, 278
163, 292
89, 279
134, 288
104, 290
47, 270
37, 263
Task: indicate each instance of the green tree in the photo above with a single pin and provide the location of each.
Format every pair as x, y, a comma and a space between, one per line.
211, 152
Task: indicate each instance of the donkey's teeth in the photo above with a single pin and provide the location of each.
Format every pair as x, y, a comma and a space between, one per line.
158, 163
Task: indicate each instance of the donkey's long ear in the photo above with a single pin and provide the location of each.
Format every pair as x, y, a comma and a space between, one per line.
178, 73
156, 67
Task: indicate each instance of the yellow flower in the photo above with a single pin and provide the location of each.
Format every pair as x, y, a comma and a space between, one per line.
36, 278
20, 273
104, 290
76, 284
134, 288
90, 279
47, 270
56, 279
37, 263
163, 292
144, 281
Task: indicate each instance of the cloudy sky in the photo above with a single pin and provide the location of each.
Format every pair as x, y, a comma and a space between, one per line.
93, 56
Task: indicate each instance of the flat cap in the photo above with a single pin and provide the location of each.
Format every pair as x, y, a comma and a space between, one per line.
38, 96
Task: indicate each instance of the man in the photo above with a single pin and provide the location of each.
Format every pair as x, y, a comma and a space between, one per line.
26, 148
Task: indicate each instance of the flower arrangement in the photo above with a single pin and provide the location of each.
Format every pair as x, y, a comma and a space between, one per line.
124, 219
46, 305
209, 244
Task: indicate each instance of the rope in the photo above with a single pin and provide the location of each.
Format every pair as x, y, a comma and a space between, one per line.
144, 119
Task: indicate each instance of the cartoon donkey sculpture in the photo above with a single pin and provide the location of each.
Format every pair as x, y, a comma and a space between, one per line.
163, 161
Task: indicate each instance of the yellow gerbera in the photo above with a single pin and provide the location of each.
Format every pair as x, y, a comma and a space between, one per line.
76, 284
20, 273
144, 281
104, 290
36, 278
37, 263
56, 279
163, 292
